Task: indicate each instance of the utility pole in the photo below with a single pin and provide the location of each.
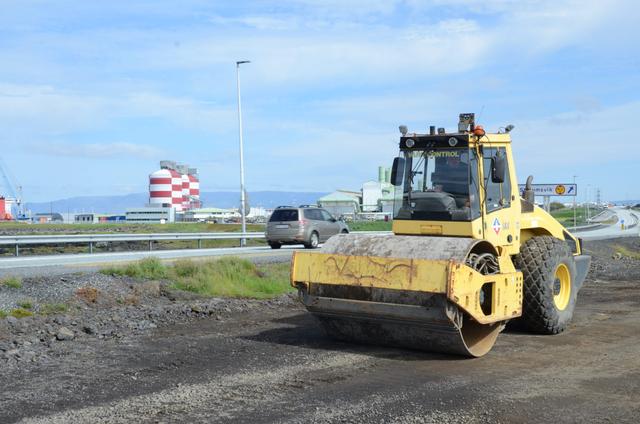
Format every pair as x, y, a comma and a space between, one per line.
588, 191
574, 202
243, 241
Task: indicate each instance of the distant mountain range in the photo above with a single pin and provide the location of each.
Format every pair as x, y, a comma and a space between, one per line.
626, 202
216, 199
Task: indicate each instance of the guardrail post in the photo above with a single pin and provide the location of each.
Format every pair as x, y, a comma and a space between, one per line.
17, 250
90, 247
199, 243
150, 245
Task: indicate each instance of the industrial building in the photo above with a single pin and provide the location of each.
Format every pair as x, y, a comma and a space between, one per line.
174, 189
151, 215
46, 218
6, 206
95, 218
374, 201
375, 192
11, 206
87, 218
174, 186
341, 202
211, 215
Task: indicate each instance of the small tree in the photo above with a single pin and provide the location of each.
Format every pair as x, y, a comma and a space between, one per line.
554, 206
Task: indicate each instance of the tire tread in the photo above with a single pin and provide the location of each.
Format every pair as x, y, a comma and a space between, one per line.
537, 260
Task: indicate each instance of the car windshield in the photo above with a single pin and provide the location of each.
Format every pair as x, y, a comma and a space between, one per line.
438, 184
284, 215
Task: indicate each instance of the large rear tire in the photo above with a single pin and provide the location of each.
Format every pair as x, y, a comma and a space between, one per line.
549, 293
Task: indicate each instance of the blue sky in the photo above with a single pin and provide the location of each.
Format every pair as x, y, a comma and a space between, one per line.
93, 94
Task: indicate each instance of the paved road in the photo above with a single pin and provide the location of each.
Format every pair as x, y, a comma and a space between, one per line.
614, 231
61, 264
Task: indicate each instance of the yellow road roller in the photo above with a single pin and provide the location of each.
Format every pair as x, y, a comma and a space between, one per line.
468, 254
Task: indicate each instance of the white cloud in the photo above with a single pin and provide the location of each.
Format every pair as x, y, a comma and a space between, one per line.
47, 109
575, 140
98, 150
186, 112
29, 110
370, 46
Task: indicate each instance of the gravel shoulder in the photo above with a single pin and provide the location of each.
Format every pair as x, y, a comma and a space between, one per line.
169, 357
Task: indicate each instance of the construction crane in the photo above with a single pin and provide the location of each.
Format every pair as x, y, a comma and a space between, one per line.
11, 191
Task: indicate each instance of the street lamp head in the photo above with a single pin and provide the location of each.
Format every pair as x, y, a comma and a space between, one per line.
240, 62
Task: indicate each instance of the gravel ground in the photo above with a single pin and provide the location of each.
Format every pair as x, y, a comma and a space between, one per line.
102, 307
60, 289
608, 265
141, 352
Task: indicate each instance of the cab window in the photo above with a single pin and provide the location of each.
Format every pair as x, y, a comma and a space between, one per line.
498, 195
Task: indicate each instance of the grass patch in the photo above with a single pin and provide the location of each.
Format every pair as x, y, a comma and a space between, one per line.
148, 268
12, 282
3, 313
20, 313
565, 215
370, 225
53, 308
232, 277
25, 304
225, 277
627, 252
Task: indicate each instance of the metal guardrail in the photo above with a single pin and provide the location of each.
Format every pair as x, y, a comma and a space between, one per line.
589, 227
636, 219
91, 239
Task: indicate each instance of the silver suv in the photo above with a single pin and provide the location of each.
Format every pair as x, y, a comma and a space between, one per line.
308, 225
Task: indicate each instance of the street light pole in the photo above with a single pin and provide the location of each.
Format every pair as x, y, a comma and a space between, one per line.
574, 202
588, 200
243, 199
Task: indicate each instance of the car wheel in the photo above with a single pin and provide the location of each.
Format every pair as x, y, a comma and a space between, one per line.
344, 232
275, 245
313, 242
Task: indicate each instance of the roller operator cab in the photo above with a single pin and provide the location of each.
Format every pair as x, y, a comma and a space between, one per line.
467, 254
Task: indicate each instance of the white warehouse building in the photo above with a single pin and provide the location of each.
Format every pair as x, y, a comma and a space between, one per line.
374, 192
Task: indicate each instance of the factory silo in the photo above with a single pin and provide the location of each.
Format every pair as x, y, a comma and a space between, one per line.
183, 170
194, 188
176, 189
174, 185
160, 188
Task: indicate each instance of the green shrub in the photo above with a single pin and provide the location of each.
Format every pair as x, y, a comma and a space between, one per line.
53, 308
20, 313
12, 282
185, 268
556, 206
627, 252
3, 313
25, 304
370, 225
